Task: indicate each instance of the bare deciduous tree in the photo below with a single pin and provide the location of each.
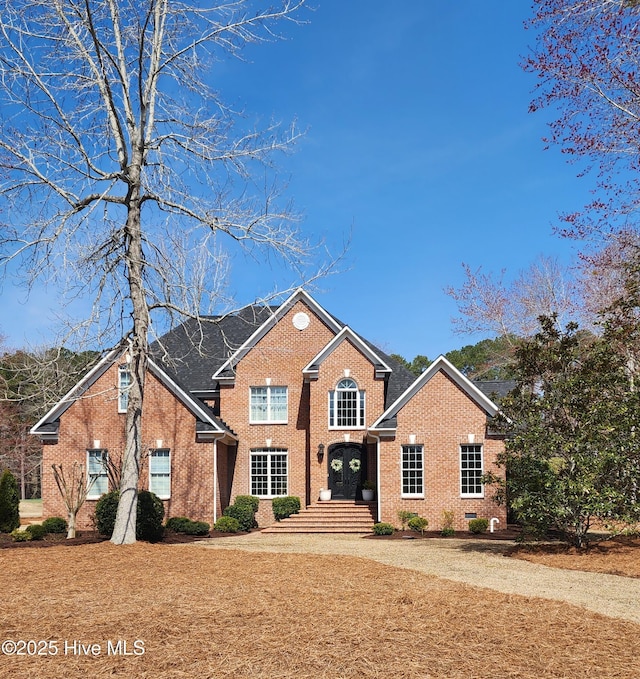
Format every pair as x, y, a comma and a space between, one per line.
124, 175
73, 490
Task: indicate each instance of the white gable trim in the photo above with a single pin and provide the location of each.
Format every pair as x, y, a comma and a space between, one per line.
440, 364
311, 370
298, 296
76, 392
96, 372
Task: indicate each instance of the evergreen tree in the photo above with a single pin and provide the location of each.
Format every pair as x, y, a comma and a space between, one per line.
9, 503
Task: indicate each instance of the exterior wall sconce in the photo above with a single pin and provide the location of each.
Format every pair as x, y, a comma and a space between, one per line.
320, 452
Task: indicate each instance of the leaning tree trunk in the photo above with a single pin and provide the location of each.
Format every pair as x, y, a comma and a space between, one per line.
124, 531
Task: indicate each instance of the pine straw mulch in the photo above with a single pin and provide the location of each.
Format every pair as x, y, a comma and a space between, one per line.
222, 613
618, 556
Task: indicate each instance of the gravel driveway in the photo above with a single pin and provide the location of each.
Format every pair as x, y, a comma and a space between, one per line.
475, 562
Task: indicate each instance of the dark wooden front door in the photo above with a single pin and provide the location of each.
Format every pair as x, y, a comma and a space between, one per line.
345, 469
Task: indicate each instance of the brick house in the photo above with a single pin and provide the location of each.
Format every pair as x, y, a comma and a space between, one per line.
282, 401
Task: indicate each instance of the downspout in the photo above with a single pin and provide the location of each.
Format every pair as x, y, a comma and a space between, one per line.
215, 480
378, 498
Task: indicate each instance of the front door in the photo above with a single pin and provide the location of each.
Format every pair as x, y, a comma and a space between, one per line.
345, 463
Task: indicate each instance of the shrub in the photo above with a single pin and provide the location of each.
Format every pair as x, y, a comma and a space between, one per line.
149, 517
37, 531
181, 524
404, 516
478, 526
418, 524
105, 514
383, 529
250, 500
178, 524
150, 514
9, 503
447, 529
243, 514
284, 507
55, 524
21, 535
227, 524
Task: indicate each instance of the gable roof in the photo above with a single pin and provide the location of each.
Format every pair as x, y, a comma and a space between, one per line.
225, 372
346, 334
47, 427
387, 421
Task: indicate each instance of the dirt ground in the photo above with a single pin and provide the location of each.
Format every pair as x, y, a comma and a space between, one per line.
189, 611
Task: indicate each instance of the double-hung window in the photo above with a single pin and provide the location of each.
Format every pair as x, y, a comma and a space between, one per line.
97, 478
124, 384
471, 471
160, 473
346, 406
268, 405
269, 472
412, 471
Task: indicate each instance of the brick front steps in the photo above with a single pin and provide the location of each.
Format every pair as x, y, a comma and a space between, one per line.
336, 516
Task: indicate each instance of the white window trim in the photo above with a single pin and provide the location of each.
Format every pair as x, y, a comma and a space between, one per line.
268, 420
268, 452
361, 395
411, 496
123, 392
93, 495
151, 452
471, 495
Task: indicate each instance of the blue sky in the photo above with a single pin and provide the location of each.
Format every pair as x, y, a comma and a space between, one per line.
419, 147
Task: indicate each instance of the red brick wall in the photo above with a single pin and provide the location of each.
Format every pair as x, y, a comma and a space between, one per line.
95, 418
280, 356
441, 417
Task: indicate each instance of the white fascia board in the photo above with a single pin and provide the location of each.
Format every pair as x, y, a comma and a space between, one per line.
299, 295
441, 363
346, 333
185, 398
76, 391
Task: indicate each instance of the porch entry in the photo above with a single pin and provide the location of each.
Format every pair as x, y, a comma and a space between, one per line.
345, 462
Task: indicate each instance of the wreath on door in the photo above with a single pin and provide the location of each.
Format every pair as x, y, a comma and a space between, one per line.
354, 465
336, 464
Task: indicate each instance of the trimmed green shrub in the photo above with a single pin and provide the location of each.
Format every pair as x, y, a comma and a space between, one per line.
383, 529
250, 500
55, 524
149, 517
418, 524
150, 514
478, 526
9, 503
227, 524
21, 535
178, 524
181, 524
37, 530
284, 507
243, 513
106, 509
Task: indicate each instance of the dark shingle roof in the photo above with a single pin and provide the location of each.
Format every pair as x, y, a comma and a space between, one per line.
496, 390
195, 350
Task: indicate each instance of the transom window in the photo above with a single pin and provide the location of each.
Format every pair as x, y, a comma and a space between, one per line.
269, 472
412, 471
346, 406
124, 384
97, 473
160, 472
471, 471
268, 404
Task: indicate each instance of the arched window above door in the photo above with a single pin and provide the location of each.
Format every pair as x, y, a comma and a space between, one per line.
346, 406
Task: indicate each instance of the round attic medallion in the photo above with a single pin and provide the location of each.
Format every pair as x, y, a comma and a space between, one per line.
301, 320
